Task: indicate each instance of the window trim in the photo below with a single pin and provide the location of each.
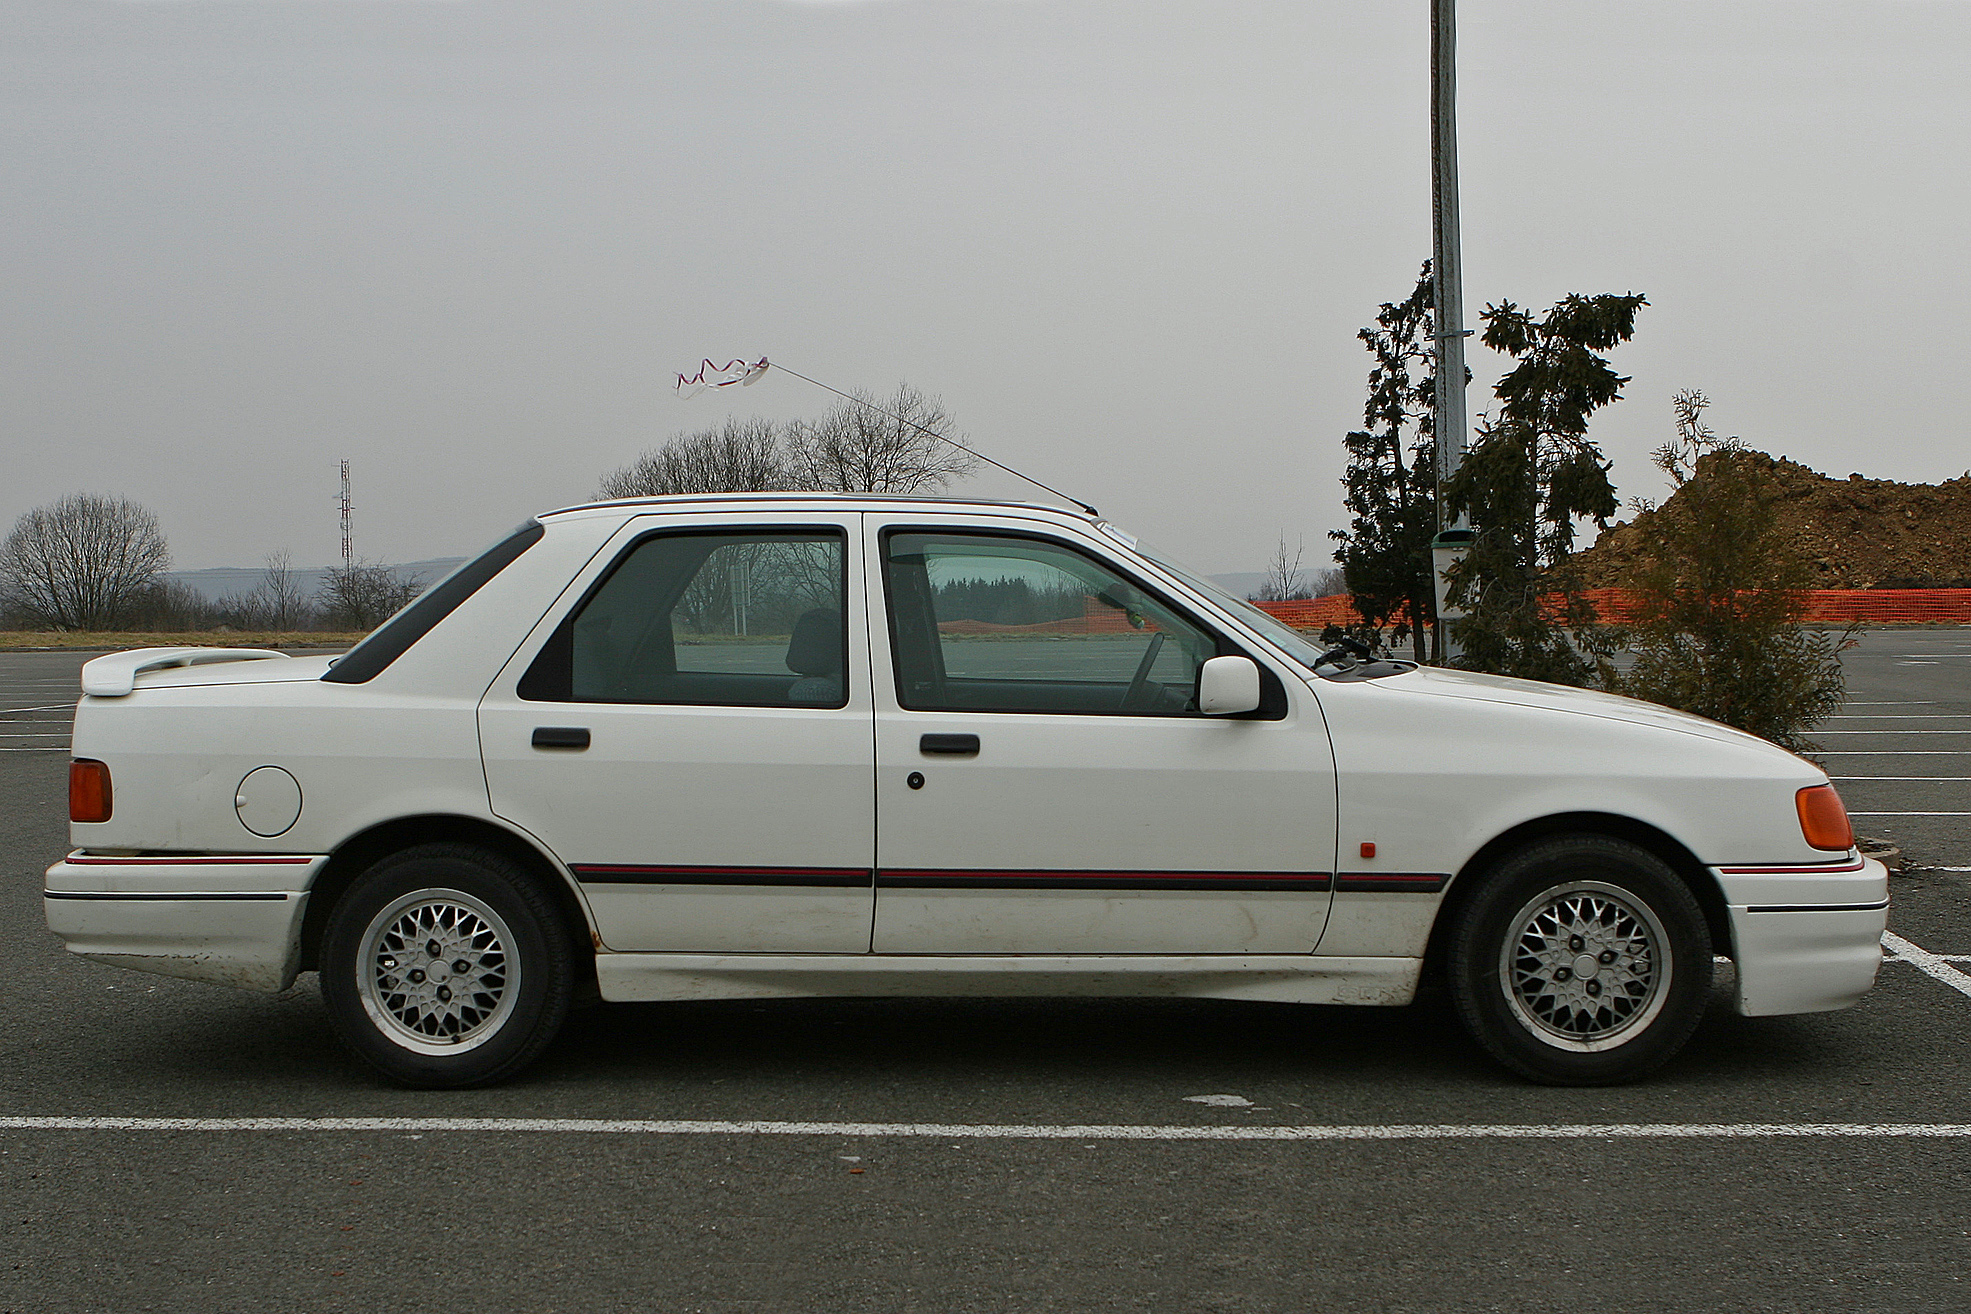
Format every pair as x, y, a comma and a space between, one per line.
1273, 702
559, 645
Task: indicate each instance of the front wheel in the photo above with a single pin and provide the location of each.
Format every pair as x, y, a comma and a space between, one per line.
1582, 961
446, 966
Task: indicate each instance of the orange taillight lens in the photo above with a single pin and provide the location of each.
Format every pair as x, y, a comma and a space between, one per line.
88, 790
1823, 820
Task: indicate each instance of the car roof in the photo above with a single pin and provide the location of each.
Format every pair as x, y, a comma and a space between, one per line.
845, 501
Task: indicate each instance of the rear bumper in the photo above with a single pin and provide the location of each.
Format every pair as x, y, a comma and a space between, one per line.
1806, 939
225, 918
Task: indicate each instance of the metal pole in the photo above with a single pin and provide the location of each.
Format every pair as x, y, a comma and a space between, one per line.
1454, 533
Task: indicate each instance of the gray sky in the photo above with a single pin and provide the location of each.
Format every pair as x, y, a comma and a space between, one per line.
468, 243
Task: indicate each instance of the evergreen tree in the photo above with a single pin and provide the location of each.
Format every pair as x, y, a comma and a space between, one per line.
1531, 474
1392, 476
1722, 596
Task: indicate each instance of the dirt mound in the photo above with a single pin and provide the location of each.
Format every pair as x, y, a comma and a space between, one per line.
1859, 533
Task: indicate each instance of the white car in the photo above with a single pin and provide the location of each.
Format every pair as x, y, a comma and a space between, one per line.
754, 746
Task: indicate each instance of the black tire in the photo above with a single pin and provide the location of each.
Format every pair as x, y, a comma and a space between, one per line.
1523, 945
391, 997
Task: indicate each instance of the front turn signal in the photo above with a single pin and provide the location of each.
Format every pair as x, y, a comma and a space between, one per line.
88, 790
1823, 820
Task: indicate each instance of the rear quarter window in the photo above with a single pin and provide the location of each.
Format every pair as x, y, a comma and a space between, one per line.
394, 637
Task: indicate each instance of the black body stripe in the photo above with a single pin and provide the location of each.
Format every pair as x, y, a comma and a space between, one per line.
160, 898
1390, 882
626, 874
1248, 881
1821, 907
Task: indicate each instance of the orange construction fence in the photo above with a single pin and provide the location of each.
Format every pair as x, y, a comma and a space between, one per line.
1831, 607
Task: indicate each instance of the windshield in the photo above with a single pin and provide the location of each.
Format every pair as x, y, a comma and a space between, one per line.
1287, 639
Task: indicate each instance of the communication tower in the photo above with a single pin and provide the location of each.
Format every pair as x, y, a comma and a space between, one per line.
347, 552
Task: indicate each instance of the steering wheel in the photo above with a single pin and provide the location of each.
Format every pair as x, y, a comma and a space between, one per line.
1141, 680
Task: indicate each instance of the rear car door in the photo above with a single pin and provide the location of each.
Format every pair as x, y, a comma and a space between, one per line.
1045, 784
690, 731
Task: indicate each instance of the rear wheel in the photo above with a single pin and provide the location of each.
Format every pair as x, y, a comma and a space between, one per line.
446, 965
1582, 961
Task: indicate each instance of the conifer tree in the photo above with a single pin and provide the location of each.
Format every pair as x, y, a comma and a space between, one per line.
1392, 477
1529, 476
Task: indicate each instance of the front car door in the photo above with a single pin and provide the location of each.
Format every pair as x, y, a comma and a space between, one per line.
1045, 784
689, 730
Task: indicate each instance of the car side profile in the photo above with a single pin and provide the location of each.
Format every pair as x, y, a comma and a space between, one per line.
774, 745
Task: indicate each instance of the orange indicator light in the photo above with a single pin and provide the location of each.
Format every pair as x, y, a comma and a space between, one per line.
1823, 820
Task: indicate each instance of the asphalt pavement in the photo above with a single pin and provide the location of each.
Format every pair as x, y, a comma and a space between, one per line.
999, 1155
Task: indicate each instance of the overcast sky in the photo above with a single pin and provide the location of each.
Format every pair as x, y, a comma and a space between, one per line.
467, 244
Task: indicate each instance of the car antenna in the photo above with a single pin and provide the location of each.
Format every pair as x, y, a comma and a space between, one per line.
746, 373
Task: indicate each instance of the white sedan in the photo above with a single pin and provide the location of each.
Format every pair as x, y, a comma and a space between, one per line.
756, 746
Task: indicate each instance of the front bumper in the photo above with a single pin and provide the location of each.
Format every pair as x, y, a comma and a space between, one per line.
1806, 938
232, 919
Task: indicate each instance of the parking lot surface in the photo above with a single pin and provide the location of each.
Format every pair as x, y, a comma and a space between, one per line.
999, 1155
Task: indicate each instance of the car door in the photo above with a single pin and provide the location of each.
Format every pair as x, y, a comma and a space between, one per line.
1045, 784
691, 733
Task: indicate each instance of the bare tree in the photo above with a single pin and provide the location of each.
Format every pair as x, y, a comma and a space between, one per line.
277, 602
363, 595
1284, 581
740, 456
897, 444
80, 563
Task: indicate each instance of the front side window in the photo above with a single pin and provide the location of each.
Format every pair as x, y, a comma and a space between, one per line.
1007, 624
736, 619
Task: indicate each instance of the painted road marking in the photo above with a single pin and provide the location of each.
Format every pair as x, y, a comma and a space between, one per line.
1892, 732
1903, 716
1899, 777
1910, 814
1896, 752
1923, 960
1027, 1131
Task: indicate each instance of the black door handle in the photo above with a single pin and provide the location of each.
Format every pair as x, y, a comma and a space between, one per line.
955, 744
560, 736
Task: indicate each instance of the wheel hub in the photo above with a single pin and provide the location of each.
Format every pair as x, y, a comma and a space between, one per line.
464, 980
1585, 965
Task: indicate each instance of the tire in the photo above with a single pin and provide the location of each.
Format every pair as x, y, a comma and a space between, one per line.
399, 1007
1523, 947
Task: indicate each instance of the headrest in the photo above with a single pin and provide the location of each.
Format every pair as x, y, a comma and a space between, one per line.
816, 646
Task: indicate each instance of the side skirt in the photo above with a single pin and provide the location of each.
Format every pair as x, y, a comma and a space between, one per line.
1286, 978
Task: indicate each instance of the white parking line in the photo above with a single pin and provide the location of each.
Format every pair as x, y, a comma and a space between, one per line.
1899, 777
1902, 951
1902, 716
1893, 732
1910, 814
1026, 1131
1896, 752
49, 707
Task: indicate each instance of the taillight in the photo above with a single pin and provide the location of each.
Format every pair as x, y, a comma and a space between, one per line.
1823, 820
88, 790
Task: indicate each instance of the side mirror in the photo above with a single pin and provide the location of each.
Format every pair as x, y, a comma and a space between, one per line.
1228, 686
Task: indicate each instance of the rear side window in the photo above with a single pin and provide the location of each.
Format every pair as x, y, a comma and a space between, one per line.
393, 638
753, 619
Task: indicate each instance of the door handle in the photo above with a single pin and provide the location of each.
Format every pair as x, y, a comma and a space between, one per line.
953, 744
561, 736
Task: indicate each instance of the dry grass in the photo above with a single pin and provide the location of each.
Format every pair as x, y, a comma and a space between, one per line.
117, 642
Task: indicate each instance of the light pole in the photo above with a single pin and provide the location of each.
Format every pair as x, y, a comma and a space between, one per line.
1453, 533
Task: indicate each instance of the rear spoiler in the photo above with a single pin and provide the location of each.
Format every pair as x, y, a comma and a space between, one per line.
116, 675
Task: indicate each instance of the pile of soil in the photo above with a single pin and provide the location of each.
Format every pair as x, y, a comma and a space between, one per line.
1859, 533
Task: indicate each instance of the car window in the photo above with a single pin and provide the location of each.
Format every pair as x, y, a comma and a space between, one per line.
750, 620
1011, 624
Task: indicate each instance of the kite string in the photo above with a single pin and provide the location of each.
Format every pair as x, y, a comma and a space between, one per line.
932, 433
